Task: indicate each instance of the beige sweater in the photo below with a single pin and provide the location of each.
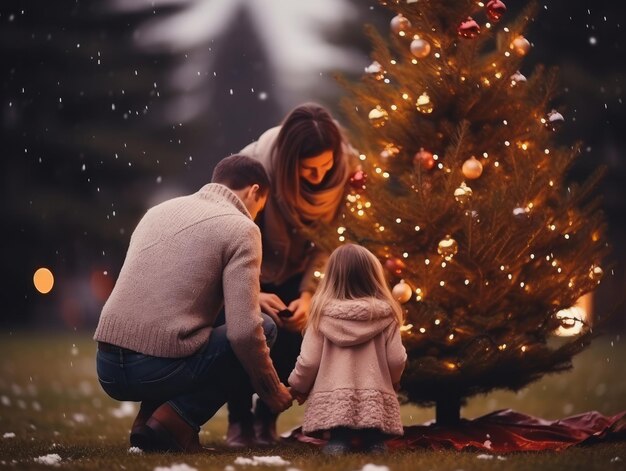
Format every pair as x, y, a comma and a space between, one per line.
349, 366
187, 257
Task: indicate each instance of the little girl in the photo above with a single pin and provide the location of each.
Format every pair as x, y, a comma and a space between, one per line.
352, 356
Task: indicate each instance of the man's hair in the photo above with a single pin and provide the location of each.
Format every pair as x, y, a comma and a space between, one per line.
239, 171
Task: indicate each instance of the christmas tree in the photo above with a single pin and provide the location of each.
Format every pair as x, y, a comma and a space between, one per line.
462, 194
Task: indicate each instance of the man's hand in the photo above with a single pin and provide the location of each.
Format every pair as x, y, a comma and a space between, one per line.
280, 401
271, 305
300, 309
298, 396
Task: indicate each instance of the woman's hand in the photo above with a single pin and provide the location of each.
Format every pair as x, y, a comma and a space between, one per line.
300, 309
271, 305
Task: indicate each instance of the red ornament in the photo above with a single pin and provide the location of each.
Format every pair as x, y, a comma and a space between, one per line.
357, 180
495, 10
395, 265
425, 159
469, 28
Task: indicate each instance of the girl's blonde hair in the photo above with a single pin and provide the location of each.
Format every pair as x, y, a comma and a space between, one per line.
352, 272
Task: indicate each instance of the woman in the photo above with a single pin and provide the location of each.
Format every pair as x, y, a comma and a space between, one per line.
306, 158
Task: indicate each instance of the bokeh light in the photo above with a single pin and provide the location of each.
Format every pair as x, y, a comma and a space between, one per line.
43, 280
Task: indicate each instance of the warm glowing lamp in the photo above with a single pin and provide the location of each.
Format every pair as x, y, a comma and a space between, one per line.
43, 280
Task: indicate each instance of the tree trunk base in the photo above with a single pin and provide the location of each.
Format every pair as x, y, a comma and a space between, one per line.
448, 411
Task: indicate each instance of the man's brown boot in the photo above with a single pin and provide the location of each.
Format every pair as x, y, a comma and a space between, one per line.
240, 434
168, 431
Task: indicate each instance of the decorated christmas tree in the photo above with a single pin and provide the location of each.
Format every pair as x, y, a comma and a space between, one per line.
463, 195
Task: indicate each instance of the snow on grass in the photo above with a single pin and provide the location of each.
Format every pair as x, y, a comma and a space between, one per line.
52, 459
134, 450
262, 461
374, 467
8, 435
175, 467
490, 457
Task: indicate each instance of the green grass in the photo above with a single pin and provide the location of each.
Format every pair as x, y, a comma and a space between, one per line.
51, 401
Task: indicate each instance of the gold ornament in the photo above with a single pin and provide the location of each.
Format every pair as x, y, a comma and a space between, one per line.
447, 248
520, 45
402, 292
472, 168
400, 24
423, 104
390, 150
376, 70
520, 213
378, 117
596, 273
517, 78
420, 48
463, 194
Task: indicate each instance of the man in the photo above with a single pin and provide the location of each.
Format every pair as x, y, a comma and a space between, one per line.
156, 343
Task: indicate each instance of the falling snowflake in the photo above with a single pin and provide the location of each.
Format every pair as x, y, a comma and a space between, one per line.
126, 409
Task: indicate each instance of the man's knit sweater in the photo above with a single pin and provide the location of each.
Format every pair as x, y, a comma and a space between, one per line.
187, 257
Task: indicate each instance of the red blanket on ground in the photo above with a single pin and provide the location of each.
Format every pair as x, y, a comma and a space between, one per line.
504, 431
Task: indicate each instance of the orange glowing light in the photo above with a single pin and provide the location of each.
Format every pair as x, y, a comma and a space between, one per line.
43, 280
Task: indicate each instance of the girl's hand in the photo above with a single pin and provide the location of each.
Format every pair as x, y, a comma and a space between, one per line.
298, 396
271, 305
300, 309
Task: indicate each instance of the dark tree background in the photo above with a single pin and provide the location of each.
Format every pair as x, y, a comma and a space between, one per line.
91, 137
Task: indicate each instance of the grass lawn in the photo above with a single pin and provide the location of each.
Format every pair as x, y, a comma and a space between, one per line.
51, 403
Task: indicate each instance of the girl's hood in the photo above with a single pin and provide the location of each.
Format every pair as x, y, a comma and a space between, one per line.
352, 322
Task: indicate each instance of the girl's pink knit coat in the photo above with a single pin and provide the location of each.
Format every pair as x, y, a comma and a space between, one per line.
349, 366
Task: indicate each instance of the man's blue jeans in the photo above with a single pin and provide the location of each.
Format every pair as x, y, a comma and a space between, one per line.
195, 386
